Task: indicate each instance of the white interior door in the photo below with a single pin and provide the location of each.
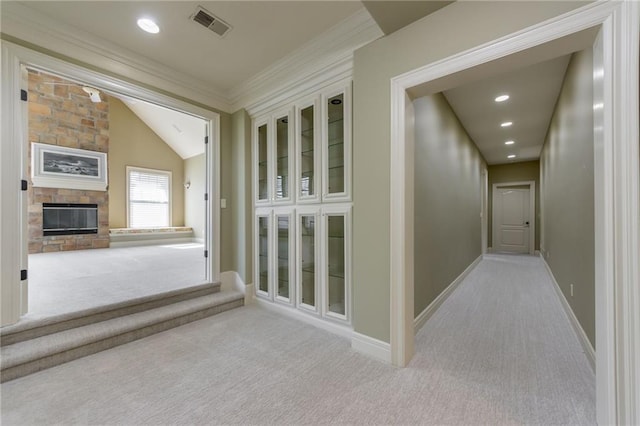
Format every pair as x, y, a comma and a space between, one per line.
511, 225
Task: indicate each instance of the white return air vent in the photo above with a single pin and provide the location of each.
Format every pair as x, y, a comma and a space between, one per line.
210, 21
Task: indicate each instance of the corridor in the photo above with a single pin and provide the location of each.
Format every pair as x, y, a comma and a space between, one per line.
500, 350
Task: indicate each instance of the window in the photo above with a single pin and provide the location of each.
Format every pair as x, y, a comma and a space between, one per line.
148, 198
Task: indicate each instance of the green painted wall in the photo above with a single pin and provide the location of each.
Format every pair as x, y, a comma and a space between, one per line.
241, 195
567, 172
447, 199
450, 30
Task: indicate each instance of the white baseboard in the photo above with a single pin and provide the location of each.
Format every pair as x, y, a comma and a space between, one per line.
250, 295
372, 347
340, 330
231, 280
428, 312
582, 336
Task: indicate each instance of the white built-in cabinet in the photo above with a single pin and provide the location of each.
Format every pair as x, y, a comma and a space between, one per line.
302, 197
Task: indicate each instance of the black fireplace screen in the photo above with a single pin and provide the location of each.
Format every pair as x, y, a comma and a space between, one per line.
69, 219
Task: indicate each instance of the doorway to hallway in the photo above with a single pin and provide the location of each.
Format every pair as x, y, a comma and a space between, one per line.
616, 204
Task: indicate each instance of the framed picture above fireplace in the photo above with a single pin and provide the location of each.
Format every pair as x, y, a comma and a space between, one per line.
55, 166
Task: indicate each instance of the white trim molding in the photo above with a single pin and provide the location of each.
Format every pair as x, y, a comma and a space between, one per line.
308, 318
371, 347
617, 189
13, 163
428, 312
231, 280
589, 352
34, 27
322, 61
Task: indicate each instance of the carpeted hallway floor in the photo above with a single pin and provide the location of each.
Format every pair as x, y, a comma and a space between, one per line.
500, 350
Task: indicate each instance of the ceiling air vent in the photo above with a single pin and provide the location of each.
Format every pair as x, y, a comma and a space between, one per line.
210, 21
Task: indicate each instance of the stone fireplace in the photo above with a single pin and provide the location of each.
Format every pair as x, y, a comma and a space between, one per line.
61, 113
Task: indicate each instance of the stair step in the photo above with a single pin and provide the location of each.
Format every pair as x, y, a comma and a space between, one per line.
37, 354
31, 329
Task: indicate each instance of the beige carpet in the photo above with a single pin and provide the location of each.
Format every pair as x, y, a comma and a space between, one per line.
500, 350
71, 281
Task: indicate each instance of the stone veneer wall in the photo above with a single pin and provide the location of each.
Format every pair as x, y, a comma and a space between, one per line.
61, 113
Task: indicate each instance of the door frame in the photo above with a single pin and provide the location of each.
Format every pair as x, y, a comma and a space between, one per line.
484, 210
617, 175
13, 160
532, 211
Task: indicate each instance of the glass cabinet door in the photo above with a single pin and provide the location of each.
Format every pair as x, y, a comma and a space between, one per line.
308, 153
284, 250
307, 256
336, 265
283, 163
337, 146
262, 158
263, 257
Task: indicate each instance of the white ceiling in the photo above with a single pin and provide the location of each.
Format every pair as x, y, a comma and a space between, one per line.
263, 32
182, 132
533, 92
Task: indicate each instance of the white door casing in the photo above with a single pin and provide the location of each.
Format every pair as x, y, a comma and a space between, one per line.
617, 191
13, 156
513, 221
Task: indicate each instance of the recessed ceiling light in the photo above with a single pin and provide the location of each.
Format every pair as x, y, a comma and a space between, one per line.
511, 156
506, 124
502, 98
148, 25
509, 142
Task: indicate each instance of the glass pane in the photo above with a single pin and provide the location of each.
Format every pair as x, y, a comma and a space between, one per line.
336, 270
283, 256
336, 144
282, 156
263, 187
308, 260
306, 152
263, 253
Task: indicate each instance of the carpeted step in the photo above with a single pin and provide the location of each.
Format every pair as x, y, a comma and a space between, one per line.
31, 329
37, 354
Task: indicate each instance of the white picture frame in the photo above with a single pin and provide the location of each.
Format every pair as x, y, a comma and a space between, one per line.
55, 166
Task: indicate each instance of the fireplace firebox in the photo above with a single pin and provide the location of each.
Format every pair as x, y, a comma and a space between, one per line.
69, 219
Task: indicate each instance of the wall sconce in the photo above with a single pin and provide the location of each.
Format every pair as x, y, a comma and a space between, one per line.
187, 185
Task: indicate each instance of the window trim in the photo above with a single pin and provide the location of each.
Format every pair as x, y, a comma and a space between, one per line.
129, 169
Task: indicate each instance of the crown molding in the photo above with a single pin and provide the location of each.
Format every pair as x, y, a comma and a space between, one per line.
307, 84
323, 60
33, 27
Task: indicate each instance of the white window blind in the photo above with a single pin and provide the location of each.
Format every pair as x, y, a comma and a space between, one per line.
149, 196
